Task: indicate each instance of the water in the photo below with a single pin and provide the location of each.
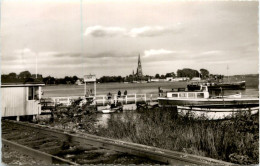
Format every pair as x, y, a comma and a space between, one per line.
139, 88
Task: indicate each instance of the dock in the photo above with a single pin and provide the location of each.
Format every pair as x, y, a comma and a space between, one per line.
102, 100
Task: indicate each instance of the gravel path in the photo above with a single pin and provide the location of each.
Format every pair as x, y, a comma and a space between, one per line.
12, 157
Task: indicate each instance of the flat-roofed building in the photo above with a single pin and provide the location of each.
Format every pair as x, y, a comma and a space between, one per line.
21, 99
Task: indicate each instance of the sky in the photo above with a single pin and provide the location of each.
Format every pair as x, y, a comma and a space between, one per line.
105, 37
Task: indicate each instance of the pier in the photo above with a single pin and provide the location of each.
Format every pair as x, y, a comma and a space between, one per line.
102, 100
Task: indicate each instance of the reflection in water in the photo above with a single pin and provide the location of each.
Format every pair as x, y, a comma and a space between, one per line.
102, 119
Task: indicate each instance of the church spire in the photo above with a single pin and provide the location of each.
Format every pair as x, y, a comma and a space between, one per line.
139, 72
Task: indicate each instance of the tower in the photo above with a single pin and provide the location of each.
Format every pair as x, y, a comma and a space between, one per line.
139, 72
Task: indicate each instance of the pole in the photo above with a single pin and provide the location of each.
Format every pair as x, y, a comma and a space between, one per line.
85, 89
95, 89
36, 64
227, 73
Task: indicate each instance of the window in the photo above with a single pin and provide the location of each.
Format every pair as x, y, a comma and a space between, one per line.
182, 94
174, 95
200, 95
30, 93
191, 95
33, 93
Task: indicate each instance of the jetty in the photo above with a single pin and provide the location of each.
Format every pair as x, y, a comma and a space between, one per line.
102, 100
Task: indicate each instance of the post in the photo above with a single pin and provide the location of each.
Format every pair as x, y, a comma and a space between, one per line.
85, 88
145, 97
18, 118
126, 99
115, 99
40, 92
103, 100
135, 98
95, 88
34, 118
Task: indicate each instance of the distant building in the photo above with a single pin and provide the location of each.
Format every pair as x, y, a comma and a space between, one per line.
139, 72
155, 80
169, 78
196, 79
138, 76
180, 79
78, 82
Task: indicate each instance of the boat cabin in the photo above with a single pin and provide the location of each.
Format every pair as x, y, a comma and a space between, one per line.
21, 99
202, 93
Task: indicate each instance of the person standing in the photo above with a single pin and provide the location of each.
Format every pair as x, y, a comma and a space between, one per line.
119, 94
125, 93
109, 96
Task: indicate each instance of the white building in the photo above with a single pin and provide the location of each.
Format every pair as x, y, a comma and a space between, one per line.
20, 99
196, 79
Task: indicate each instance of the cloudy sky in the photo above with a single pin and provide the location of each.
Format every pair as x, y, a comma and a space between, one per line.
169, 35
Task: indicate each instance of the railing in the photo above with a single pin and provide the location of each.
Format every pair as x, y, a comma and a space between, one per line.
131, 98
65, 100
103, 99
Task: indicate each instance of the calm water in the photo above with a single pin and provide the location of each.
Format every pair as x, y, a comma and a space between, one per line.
141, 88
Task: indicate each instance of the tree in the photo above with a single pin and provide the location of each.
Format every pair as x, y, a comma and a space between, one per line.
12, 75
186, 72
168, 75
157, 75
24, 75
162, 76
172, 74
204, 73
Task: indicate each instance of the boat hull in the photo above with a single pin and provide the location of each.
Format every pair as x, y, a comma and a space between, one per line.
169, 102
216, 113
218, 86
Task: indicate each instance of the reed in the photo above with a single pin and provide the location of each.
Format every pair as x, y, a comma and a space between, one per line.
234, 140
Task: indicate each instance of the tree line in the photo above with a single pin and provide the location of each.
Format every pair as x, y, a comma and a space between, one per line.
26, 76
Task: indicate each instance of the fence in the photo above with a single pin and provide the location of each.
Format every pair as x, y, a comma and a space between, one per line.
103, 99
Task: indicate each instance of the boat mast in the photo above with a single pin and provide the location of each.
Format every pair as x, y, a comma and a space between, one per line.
36, 65
227, 73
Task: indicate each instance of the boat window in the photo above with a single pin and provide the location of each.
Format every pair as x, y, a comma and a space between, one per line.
203, 88
174, 95
182, 94
191, 95
200, 95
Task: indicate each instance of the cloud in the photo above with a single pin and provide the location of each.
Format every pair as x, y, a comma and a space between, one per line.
99, 31
146, 31
150, 31
212, 52
151, 52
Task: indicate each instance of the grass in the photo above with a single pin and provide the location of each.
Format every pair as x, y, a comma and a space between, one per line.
233, 140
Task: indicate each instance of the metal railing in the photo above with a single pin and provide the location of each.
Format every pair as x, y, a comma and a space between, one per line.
103, 99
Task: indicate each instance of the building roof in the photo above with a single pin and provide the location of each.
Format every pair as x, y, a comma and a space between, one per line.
22, 84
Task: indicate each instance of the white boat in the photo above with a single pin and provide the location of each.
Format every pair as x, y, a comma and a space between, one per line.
112, 108
201, 97
217, 111
107, 111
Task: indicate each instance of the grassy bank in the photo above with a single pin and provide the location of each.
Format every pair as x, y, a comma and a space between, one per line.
233, 140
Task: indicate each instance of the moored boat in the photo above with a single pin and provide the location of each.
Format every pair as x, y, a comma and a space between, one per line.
112, 108
217, 86
218, 111
202, 97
